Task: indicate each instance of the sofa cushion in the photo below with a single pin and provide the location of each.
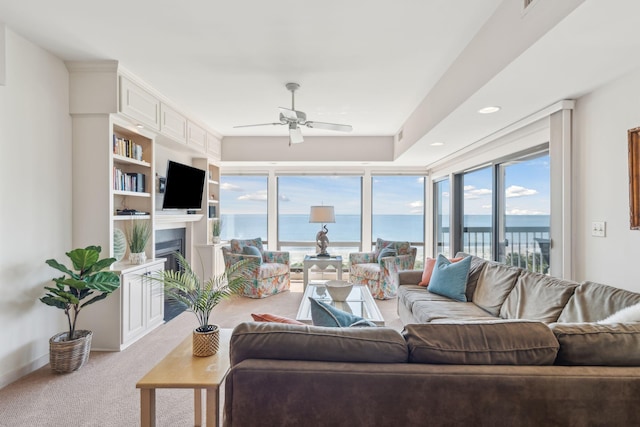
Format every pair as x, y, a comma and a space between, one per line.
593, 344
594, 301
267, 317
429, 264
237, 244
450, 278
409, 294
367, 271
537, 297
324, 314
272, 270
495, 282
251, 340
491, 343
433, 311
629, 314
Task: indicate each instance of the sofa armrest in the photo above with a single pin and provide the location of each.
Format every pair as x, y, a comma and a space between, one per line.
280, 257
361, 257
410, 277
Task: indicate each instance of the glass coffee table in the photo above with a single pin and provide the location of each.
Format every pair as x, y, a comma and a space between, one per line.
359, 302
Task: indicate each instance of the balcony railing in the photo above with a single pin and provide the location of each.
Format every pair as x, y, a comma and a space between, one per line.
526, 247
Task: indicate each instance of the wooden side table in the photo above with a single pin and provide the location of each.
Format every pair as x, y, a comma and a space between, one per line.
322, 263
181, 369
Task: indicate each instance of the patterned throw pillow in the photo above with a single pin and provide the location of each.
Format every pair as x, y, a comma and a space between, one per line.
323, 314
386, 252
237, 245
274, 318
450, 279
402, 248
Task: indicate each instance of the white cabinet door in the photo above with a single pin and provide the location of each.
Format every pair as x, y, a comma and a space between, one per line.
133, 300
139, 104
214, 147
197, 137
173, 124
155, 297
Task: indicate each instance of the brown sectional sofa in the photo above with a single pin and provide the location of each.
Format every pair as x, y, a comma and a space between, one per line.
524, 351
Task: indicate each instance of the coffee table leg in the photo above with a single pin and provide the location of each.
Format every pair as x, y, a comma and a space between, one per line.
213, 397
148, 407
197, 405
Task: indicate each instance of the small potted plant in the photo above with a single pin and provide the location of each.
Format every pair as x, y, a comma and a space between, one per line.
216, 230
200, 297
68, 351
138, 234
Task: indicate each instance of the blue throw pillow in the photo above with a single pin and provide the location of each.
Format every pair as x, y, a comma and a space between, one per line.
450, 279
252, 250
323, 314
385, 252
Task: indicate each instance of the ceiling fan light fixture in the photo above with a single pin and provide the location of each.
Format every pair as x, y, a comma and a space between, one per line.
295, 134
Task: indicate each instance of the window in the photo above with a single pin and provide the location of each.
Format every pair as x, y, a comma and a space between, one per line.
397, 211
525, 212
504, 218
441, 205
477, 205
243, 199
296, 195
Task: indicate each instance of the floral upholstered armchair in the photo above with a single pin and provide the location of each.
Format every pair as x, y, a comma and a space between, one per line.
270, 273
379, 269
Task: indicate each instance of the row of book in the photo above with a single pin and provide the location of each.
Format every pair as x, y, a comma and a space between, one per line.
128, 181
127, 148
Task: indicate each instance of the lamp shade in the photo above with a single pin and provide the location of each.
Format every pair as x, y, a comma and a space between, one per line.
322, 214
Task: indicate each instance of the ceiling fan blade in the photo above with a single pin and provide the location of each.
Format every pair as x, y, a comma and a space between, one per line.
261, 124
329, 126
294, 115
295, 135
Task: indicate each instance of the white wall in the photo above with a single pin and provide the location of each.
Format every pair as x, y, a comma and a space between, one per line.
601, 184
35, 186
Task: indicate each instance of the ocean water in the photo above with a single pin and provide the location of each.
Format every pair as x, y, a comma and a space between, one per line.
347, 228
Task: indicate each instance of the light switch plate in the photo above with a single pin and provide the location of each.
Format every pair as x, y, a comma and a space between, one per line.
598, 228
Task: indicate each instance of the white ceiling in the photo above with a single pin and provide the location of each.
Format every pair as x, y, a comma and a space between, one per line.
361, 62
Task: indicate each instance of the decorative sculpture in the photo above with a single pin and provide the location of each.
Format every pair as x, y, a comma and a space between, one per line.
322, 241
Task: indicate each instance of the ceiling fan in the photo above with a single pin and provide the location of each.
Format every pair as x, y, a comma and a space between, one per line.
295, 119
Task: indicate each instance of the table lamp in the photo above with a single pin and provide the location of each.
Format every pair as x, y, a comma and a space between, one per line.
322, 215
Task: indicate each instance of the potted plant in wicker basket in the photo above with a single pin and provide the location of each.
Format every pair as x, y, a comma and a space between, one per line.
138, 234
200, 297
68, 351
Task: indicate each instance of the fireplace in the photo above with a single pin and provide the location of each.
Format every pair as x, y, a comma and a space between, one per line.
167, 243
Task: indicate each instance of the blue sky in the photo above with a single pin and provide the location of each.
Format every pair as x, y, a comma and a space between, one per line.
391, 194
527, 192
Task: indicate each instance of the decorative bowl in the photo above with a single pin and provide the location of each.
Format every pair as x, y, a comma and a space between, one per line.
339, 289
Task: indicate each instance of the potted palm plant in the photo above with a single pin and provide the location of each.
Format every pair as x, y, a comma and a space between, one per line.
138, 234
68, 351
200, 297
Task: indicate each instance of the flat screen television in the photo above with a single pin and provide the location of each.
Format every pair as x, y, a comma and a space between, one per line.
183, 187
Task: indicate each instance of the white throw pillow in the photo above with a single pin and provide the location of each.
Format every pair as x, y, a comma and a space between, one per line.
626, 315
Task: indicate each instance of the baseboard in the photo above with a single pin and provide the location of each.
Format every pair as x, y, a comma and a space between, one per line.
10, 377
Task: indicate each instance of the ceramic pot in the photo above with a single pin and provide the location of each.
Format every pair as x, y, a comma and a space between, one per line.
215, 239
137, 257
206, 343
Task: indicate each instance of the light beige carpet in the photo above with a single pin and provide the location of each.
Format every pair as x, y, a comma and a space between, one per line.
103, 392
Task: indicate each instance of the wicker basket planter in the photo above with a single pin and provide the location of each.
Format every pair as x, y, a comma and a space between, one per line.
69, 356
206, 343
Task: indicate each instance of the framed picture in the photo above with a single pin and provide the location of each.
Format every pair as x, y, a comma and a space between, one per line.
634, 177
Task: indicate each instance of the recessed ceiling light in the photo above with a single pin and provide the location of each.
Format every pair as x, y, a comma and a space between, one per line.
489, 110
437, 144
139, 126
